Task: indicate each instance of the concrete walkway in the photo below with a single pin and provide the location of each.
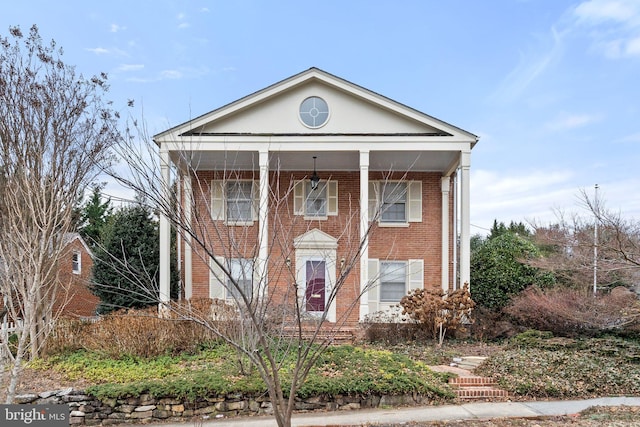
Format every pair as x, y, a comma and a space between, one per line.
482, 410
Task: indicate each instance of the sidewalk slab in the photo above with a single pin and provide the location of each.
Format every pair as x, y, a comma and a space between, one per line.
500, 409
482, 410
567, 407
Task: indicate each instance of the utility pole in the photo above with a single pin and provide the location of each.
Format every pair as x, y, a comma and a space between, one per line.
595, 242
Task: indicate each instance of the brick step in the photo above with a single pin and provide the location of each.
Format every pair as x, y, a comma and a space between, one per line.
475, 387
481, 393
472, 381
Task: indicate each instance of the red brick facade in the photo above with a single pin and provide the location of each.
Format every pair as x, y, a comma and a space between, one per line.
414, 240
74, 297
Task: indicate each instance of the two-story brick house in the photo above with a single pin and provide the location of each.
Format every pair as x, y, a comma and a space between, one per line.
304, 173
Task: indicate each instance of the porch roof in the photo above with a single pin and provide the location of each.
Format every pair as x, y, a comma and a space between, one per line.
396, 136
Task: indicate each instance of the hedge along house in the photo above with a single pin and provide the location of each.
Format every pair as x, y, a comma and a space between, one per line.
298, 177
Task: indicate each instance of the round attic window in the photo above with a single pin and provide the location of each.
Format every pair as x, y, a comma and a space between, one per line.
314, 112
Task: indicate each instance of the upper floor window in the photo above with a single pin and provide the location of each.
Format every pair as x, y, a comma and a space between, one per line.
239, 201
76, 262
316, 200
234, 201
395, 203
315, 204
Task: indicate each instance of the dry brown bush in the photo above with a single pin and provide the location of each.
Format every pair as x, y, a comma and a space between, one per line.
571, 312
142, 333
438, 312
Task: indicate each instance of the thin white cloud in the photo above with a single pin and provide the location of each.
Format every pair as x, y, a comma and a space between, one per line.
171, 74
105, 51
518, 195
633, 47
612, 25
598, 11
182, 21
130, 67
630, 138
572, 121
532, 65
535, 196
174, 74
116, 28
98, 50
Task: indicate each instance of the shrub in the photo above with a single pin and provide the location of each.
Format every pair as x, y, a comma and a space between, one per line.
391, 328
500, 270
340, 370
142, 333
490, 325
438, 312
570, 312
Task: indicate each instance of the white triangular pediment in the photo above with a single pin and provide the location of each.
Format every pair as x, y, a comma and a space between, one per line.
315, 239
353, 110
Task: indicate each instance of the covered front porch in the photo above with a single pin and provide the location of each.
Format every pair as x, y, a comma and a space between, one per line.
315, 123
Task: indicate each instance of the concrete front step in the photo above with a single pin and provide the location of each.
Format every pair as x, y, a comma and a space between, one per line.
469, 362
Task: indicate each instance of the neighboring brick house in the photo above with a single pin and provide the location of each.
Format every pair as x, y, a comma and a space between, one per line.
76, 300
247, 173
73, 296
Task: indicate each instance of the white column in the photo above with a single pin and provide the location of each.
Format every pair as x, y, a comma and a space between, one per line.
445, 183
188, 259
465, 218
165, 230
364, 239
263, 221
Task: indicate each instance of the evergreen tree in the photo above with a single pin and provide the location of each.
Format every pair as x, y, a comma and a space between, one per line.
94, 215
500, 269
126, 268
499, 228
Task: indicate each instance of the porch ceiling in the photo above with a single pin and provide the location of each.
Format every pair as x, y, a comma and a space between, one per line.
429, 161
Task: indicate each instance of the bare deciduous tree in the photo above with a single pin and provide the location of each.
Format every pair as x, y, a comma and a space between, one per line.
570, 246
55, 134
263, 310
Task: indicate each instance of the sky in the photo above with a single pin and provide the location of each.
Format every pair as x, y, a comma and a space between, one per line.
551, 87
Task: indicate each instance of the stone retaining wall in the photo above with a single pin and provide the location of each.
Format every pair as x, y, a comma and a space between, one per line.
87, 410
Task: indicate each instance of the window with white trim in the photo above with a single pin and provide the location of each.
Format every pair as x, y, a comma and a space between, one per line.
76, 262
316, 200
315, 204
234, 201
241, 271
239, 201
393, 281
394, 202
